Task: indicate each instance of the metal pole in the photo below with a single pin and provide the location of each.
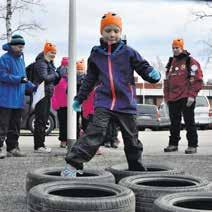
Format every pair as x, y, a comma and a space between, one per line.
143, 92
71, 116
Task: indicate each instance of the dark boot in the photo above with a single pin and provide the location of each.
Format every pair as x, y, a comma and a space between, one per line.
191, 150
171, 148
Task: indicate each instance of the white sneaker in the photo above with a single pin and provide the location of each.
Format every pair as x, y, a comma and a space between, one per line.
70, 171
43, 150
2, 154
15, 153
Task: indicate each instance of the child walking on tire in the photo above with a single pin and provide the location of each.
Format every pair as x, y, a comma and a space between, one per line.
110, 68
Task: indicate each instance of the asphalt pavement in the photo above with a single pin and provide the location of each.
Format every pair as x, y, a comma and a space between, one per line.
13, 170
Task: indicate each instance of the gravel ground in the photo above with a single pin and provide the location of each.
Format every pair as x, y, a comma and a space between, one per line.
13, 170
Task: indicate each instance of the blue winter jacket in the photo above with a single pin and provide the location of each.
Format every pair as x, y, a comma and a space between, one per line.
110, 69
12, 69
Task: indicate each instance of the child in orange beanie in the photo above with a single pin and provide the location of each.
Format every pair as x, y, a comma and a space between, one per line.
59, 102
110, 68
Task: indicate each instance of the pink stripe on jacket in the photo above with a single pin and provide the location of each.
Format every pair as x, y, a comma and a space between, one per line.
88, 105
59, 98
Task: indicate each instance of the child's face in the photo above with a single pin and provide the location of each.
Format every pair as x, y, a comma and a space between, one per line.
111, 33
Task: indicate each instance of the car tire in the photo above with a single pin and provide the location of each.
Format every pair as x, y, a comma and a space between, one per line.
51, 124
141, 128
184, 202
155, 128
81, 197
45, 175
203, 127
121, 170
148, 188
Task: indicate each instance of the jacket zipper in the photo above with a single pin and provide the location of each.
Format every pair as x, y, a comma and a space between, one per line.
111, 78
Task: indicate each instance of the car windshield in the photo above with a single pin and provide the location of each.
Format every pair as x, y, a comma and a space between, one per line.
201, 101
146, 109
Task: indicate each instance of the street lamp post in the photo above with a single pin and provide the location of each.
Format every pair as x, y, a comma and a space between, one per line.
71, 116
143, 91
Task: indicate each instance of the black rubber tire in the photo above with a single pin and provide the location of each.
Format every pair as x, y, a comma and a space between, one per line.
204, 127
67, 196
48, 130
184, 202
121, 170
45, 175
148, 188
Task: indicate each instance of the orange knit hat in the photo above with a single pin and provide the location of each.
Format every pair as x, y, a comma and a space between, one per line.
178, 43
80, 65
110, 18
49, 47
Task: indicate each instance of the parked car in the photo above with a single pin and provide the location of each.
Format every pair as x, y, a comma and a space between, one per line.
202, 113
147, 117
28, 118
210, 115
164, 115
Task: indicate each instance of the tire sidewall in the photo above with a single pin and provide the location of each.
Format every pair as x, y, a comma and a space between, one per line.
40, 198
39, 176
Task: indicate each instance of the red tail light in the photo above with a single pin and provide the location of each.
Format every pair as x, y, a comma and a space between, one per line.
210, 112
158, 115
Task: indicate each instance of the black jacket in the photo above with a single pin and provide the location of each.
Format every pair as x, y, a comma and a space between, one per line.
45, 71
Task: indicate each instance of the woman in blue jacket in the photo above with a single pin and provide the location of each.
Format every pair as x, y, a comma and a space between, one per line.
13, 84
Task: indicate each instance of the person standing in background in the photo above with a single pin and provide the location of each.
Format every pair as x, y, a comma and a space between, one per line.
80, 66
13, 85
59, 102
45, 72
183, 81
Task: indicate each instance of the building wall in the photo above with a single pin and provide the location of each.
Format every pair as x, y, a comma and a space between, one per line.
153, 93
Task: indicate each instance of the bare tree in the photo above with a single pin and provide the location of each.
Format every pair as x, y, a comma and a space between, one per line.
8, 13
159, 65
201, 15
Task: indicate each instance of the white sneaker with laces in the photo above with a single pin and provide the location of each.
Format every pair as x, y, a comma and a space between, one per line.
70, 171
43, 150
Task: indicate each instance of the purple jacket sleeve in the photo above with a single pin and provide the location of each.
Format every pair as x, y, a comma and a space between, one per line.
141, 66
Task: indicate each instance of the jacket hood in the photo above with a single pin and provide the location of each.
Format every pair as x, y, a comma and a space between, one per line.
6, 47
40, 56
103, 48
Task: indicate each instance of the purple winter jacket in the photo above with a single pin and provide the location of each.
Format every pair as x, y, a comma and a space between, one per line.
110, 69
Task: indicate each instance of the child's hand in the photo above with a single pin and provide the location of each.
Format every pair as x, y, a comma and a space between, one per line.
154, 74
76, 106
